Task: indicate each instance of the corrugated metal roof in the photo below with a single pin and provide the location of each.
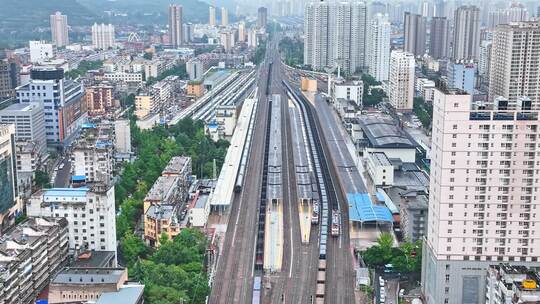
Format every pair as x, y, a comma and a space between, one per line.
361, 209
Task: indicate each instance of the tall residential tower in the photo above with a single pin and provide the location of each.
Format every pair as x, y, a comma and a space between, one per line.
466, 33
415, 34
175, 25
378, 47
59, 29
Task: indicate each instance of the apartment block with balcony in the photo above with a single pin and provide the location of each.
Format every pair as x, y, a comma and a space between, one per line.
30, 254
483, 205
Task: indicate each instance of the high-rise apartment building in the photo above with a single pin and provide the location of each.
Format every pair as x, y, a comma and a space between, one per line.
175, 25
59, 29
241, 31
189, 32
40, 51
515, 62
466, 33
378, 47
438, 38
414, 34
103, 36
224, 17
482, 199
262, 17
484, 61
401, 81
517, 12
335, 35
212, 15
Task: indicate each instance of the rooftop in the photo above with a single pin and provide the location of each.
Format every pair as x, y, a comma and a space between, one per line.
162, 188
162, 212
381, 159
24, 107
362, 209
89, 276
130, 293
177, 165
94, 259
383, 132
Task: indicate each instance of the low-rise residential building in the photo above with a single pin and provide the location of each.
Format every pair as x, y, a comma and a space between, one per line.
83, 285
30, 254
425, 88
90, 212
349, 90
195, 89
154, 68
100, 100
166, 199
380, 169
161, 220
144, 105
509, 284
124, 77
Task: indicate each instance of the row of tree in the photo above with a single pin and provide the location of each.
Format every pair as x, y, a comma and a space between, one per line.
175, 272
424, 111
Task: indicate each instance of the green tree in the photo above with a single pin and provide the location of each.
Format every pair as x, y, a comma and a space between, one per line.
42, 179
148, 55
132, 248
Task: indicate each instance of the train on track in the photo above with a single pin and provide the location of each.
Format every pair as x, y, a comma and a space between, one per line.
336, 223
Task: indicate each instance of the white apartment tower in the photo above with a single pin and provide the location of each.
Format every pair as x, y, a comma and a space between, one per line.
224, 17
401, 81
378, 47
212, 16
466, 33
335, 34
241, 31
59, 29
515, 62
175, 25
483, 203
103, 36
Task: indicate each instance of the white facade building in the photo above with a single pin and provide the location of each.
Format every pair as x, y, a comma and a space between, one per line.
59, 29
29, 121
122, 136
40, 51
103, 36
482, 198
90, 213
380, 169
224, 17
401, 80
335, 34
425, 88
123, 77
352, 91
513, 69
175, 25
378, 47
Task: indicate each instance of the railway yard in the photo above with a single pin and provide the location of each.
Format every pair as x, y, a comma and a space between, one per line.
287, 235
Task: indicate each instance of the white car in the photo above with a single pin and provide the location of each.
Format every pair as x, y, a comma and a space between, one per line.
381, 281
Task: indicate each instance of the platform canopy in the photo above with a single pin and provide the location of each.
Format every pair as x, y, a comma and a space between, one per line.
362, 209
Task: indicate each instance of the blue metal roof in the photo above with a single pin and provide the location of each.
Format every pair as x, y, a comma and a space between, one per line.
362, 209
58, 192
78, 178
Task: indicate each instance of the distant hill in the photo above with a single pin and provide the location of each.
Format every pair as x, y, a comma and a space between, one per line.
194, 10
